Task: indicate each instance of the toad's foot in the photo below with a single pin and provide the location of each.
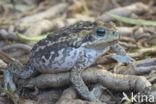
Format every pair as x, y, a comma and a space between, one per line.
9, 85
8, 76
10, 71
97, 90
123, 59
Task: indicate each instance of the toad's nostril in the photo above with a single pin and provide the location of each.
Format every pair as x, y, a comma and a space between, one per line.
113, 33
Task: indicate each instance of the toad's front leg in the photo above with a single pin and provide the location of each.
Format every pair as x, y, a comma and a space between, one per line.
79, 84
121, 54
86, 58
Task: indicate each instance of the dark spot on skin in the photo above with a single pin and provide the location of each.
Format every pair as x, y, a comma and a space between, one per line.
43, 60
47, 55
87, 38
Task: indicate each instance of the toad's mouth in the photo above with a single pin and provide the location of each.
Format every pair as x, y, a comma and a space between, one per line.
102, 44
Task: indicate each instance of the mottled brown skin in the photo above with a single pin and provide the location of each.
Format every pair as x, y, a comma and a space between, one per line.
71, 49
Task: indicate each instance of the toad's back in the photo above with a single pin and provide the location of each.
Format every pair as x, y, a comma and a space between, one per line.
59, 52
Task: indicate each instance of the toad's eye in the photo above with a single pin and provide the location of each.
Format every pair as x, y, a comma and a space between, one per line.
100, 32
